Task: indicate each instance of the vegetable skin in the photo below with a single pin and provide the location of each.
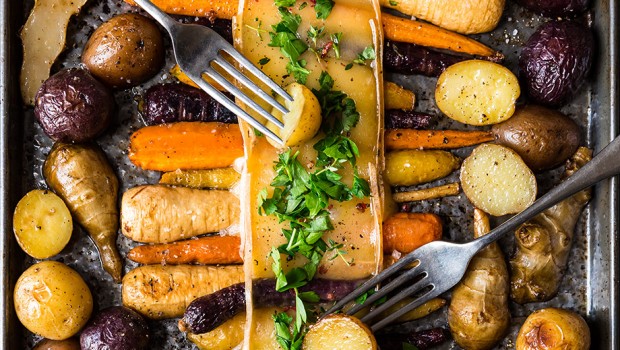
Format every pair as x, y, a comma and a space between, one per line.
397, 139
413, 167
162, 214
199, 8
225, 337
210, 250
220, 178
405, 232
397, 97
402, 119
339, 332
424, 339
83, 178
553, 329
543, 243
160, 292
479, 314
410, 59
446, 190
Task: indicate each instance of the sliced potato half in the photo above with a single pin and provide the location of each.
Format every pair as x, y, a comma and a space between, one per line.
339, 332
477, 92
496, 180
303, 120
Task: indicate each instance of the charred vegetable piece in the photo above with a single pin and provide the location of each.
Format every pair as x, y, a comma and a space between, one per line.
220, 178
200, 8
222, 26
67, 344
409, 59
543, 244
421, 339
413, 167
167, 103
397, 97
554, 329
52, 300
116, 327
72, 106
544, 138
339, 332
398, 139
556, 60
400, 119
125, 51
555, 8
208, 312
83, 178
210, 250
479, 313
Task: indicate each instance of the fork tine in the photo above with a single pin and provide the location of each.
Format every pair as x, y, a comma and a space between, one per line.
245, 63
230, 69
417, 286
371, 283
226, 102
212, 73
433, 293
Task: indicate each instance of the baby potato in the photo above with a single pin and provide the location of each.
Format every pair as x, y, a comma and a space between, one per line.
413, 167
339, 332
124, 51
67, 344
496, 180
42, 224
52, 300
477, 92
554, 329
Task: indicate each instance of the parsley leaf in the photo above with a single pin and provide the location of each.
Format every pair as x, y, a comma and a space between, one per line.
285, 3
393, 3
323, 8
336, 37
263, 61
285, 37
368, 54
360, 188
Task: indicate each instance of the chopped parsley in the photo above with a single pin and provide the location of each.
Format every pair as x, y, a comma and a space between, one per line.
285, 3
285, 37
393, 3
368, 54
336, 37
263, 61
323, 8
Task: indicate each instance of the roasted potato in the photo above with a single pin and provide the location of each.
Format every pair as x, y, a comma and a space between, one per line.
339, 332
116, 327
52, 300
554, 329
72, 106
555, 8
544, 138
67, 344
413, 167
125, 51
556, 60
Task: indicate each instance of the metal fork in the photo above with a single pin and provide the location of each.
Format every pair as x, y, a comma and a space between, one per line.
198, 50
439, 266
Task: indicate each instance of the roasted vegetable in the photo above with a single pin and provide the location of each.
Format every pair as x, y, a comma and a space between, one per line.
67, 344
479, 314
116, 327
83, 178
125, 51
405, 232
42, 224
555, 8
467, 17
544, 138
186, 145
419, 312
159, 292
220, 178
556, 60
52, 300
43, 39
162, 214
408, 59
400, 119
446, 190
412, 167
554, 329
225, 337
167, 103
398, 139
201, 8
210, 250
496, 180
397, 97
422, 340
477, 92
208, 312
72, 106
339, 332
544, 242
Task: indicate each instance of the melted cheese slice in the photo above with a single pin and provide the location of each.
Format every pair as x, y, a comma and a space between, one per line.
357, 223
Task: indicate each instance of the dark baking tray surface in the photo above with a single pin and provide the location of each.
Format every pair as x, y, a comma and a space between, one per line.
590, 287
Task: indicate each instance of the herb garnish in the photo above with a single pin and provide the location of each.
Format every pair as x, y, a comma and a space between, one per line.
368, 54
285, 37
323, 8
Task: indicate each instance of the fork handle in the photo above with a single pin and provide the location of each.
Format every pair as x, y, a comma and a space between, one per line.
603, 165
160, 16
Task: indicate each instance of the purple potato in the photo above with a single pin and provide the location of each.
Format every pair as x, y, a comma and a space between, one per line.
116, 328
556, 60
555, 7
399, 119
409, 59
72, 106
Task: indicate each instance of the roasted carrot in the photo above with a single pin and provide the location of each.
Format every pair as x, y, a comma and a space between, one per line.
425, 34
186, 145
405, 232
427, 193
397, 139
201, 8
210, 250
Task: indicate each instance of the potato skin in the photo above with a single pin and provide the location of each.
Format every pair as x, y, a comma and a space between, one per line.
67, 344
544, 138
555, 61
554, 329
555, 7
125, 51
72, 106
116, 327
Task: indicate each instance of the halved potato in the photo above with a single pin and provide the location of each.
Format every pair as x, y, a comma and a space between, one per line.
339, 332
477, 92
42, 224
496, 180
303, 120
554, 329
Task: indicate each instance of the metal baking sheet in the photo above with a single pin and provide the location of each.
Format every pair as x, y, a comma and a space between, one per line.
590, 287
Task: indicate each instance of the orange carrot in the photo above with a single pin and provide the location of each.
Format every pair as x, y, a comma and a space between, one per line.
397, 139
186, 145
405, 232
225, 9
208, 250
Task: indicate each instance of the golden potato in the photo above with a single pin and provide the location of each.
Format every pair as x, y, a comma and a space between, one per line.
52, 300
339, 332
554, 329
413, 167
477, 92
